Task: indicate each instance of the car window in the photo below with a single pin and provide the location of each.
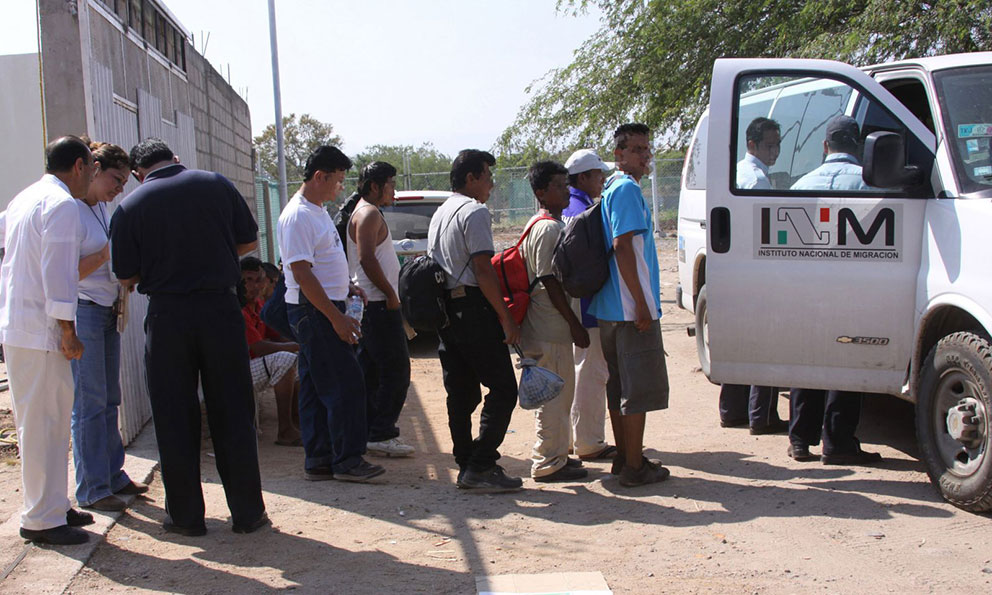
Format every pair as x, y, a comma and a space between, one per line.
963, 94
695, 171
804, 110
409, 220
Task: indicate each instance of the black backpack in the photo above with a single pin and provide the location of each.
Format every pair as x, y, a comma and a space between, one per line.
581, 262
423, 295
343, 216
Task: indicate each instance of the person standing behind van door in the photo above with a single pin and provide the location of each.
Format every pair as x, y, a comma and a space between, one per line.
741, 404
628, 309
764, 142
473, 346
586, 175
834, 415
383, 352
178, 236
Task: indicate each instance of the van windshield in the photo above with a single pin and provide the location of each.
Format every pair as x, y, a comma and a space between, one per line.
964, 95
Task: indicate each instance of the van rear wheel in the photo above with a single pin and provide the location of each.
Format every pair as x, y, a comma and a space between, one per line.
703, 332
952, 419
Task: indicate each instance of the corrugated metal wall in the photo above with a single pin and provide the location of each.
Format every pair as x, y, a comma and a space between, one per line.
118, 122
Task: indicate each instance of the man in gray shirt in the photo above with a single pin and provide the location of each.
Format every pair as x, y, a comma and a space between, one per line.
473, 347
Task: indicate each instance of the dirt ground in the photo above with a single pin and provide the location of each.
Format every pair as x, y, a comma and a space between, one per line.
737, 516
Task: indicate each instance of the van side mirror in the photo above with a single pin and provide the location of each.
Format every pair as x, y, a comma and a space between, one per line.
885, 162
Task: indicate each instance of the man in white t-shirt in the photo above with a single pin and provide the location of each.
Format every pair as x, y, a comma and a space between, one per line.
383, 351
332, 393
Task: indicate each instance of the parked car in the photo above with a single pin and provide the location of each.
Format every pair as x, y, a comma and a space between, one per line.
882, 290
409, 218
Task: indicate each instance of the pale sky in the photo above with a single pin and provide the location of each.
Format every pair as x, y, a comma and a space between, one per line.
452, 72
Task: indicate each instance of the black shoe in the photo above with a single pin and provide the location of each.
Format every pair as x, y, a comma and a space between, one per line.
649, 472
195, 531
133, 488
800, 452
779, 426
78, 518
61, 535
856, 458
733, 423
254, 526
318, 474
573, 462
361, 472
565, 473
491, 481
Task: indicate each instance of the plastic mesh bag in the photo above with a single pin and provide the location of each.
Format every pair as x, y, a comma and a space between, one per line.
537, 385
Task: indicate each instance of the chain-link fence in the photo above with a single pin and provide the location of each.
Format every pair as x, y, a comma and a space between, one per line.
511, 202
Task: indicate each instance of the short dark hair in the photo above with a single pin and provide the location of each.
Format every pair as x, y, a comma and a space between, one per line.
539, 175
377, 172
149, 152
758, 127
623, 133
250, 263
271, 271
325, 158
62, 153
469, 161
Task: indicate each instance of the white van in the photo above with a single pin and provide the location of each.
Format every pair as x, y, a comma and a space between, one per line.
887, 289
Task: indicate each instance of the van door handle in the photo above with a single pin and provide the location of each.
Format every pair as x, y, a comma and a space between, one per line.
720, 229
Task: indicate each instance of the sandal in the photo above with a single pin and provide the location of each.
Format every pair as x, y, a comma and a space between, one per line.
607, 452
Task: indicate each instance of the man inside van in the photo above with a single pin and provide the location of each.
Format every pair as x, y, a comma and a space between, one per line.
628, 309
473, 346
834, 415
764, 141
586, 175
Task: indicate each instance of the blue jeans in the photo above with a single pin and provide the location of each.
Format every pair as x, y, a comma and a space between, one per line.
96, 440
385, 360
332, 392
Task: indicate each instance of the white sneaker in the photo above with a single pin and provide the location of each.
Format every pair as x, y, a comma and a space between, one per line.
390, 448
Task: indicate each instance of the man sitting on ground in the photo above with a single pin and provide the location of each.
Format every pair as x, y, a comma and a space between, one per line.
273, 361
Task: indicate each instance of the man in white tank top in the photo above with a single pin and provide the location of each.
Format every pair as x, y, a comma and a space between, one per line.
383, 351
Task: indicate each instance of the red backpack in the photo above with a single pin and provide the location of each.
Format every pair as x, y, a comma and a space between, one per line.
513, 279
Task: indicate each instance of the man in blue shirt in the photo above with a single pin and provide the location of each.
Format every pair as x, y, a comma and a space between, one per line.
833, 414
628, 308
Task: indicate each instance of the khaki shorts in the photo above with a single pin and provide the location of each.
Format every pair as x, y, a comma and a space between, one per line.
638, 376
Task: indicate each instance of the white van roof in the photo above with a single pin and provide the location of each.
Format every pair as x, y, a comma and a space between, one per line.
935, 63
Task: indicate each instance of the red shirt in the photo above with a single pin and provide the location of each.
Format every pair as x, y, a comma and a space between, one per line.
255, 329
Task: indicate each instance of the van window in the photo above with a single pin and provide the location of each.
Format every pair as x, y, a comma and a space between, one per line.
802, 111
963, 94
695, 169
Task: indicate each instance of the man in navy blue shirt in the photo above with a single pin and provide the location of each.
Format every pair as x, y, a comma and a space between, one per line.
178, 238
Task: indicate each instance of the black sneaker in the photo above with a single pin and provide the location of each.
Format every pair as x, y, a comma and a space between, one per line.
361, 472
194, 531
566, 473
779, 426
61, 535
648, 472
491, 481
78, 518
318, 474
573, 462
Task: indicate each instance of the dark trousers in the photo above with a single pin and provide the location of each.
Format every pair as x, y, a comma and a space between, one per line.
191, 337
834, 414
385, 359
472, 352
332, 393
756, 404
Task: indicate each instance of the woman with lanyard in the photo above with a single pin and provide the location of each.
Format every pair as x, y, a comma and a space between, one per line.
96, 440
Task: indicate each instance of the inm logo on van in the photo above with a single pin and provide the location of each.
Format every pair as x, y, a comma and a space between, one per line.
837, 232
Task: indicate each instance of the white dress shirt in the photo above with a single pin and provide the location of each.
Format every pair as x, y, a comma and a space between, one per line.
39, 278
752, 174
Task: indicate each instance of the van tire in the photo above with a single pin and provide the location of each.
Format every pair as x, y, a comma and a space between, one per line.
958, 373
702, 332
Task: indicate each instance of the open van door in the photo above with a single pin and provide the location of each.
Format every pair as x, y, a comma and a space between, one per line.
812, 282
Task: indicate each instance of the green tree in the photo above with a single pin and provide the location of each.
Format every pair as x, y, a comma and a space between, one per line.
418, 162
652, 60
301, 137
